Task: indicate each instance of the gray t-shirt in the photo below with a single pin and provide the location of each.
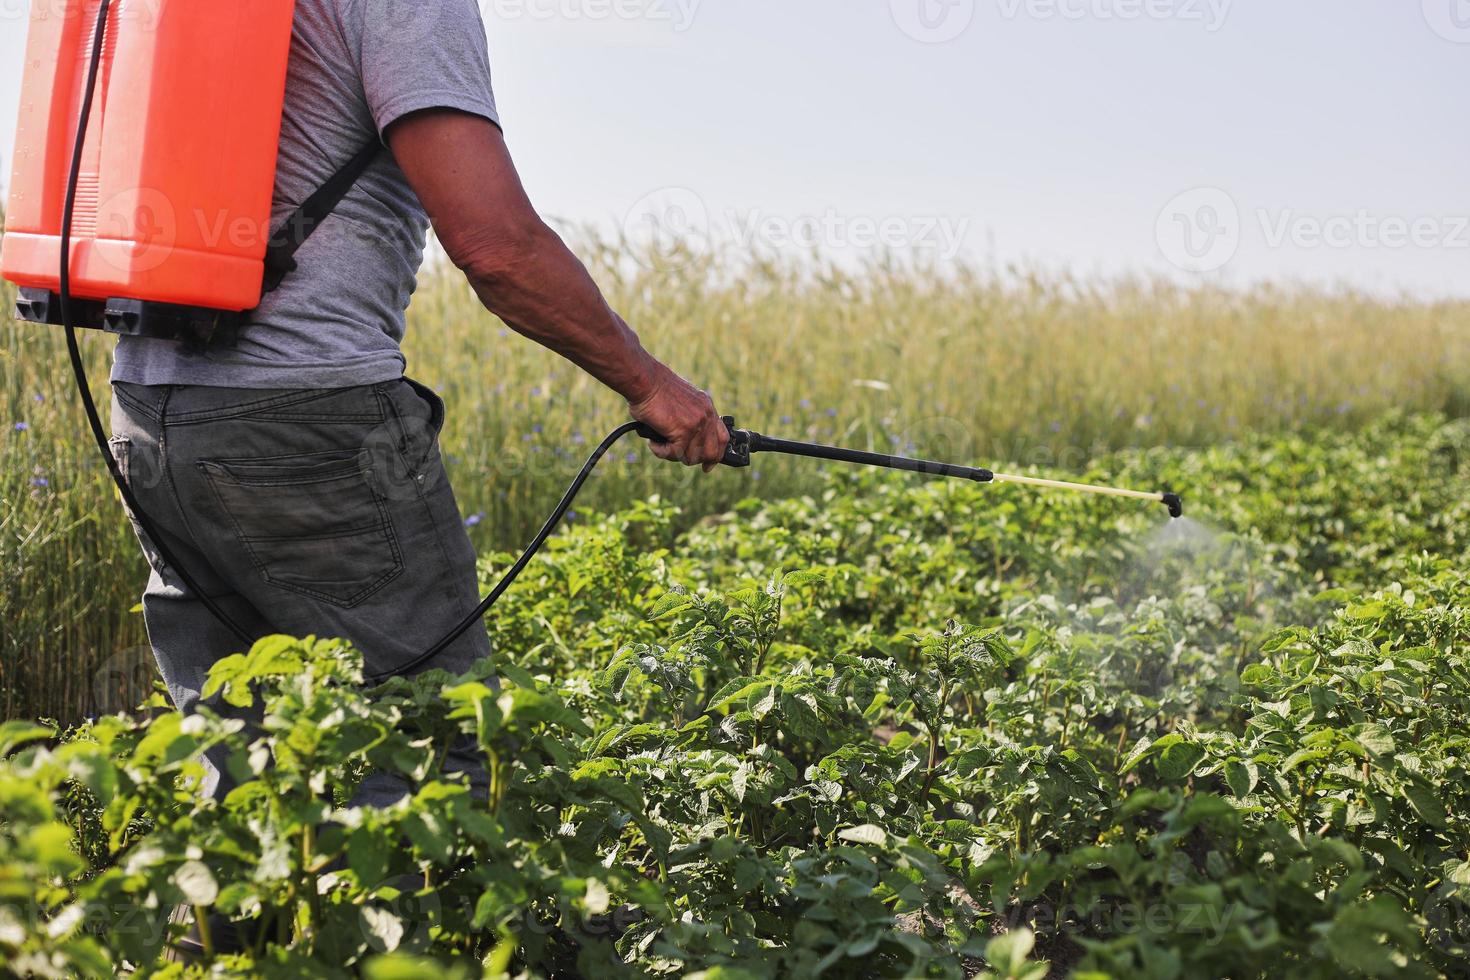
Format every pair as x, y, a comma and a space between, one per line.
355, 67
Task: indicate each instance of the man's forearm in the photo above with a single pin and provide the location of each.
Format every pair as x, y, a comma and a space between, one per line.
461, 170
544, 292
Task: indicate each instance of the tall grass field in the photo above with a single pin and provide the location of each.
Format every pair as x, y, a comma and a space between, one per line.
986, 367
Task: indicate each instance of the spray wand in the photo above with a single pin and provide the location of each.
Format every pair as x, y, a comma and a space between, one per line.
743, 443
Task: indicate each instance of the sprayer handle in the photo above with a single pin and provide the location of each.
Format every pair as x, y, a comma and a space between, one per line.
737, 450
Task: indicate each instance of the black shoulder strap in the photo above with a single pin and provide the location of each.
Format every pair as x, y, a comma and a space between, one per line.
281, 249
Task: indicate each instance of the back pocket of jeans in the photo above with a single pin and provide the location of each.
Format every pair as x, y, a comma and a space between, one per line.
312, 523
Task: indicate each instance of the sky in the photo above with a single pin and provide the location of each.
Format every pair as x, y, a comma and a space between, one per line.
1230, 141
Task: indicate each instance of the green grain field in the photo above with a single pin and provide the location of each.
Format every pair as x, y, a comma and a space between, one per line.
985, 366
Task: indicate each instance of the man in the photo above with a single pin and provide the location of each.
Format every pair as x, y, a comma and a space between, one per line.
262, 462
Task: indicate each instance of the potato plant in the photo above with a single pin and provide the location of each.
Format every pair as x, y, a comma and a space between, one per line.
894, 730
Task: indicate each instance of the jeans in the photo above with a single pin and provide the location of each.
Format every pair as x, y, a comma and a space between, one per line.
320, 512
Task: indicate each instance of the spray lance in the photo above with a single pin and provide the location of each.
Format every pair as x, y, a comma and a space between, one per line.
191, 293
742, 445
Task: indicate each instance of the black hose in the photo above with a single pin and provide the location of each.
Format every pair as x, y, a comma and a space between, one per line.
79, 370
520, 563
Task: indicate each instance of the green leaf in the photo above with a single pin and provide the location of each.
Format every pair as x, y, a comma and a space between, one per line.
597, 899
13, 734
1376, 739
1426, 803
196, 882
1257, 675
1007, 953
382, 927
1136, 754
867, 833
52, 846
1241, 777
1301, 756
368, 854
1178, 761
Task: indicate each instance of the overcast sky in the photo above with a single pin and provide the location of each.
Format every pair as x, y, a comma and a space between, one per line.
1318, 140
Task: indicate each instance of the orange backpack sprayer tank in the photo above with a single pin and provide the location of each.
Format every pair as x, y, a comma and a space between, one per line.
141, 191
170, 225
143, 176
173, 194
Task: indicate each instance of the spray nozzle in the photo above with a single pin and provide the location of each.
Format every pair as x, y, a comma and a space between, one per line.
1175, 505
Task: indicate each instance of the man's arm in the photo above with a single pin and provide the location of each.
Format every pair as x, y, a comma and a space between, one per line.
460, 168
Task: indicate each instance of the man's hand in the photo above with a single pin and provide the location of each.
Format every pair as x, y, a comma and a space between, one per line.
686, 418
458, 165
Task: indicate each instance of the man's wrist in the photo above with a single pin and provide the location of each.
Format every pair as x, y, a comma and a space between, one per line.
642, 381
641, 374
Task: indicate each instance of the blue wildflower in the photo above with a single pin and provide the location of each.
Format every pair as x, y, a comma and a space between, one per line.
22, 426
40, 481
632, 457
474, 519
